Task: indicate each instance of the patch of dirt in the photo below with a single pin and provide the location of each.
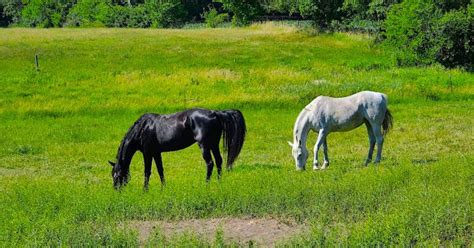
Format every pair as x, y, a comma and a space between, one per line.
264, 232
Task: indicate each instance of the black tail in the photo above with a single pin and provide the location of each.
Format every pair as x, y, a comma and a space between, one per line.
233, 133
387, 123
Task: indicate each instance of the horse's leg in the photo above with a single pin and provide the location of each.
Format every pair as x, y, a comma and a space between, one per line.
379, 139
321, 137
371, 143
147, 160
218, 159
159, 167
326, 157
206, 155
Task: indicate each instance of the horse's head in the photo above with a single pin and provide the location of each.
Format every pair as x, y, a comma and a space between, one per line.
300, 154
119, 176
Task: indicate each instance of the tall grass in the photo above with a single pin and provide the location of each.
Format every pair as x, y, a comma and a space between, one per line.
60, 124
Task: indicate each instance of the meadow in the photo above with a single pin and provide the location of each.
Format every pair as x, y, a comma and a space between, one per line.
59, 126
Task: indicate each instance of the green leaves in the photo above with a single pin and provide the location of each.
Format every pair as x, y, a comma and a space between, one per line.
243, 12
424, 33
213, 18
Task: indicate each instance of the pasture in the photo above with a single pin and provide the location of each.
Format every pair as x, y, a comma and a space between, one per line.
59, 126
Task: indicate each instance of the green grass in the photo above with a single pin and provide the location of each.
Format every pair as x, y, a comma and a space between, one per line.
60, 125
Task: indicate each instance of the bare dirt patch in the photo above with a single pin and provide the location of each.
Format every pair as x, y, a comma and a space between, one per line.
264, 232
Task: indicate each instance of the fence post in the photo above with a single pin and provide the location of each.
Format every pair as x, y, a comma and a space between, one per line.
37, 62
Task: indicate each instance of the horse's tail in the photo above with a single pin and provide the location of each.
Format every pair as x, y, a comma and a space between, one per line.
233, 134
387, 123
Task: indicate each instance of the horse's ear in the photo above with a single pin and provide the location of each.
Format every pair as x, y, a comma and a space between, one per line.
291, 144
111, 163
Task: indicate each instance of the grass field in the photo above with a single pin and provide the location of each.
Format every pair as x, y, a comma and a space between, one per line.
60, 125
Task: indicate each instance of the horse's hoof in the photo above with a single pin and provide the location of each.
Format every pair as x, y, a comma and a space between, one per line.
300, 168
315, 167
325, 165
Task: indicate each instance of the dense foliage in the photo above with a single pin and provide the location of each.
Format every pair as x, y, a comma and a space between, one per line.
139, 13
425, 32
109, 13
432, 31
213, 18
243, 11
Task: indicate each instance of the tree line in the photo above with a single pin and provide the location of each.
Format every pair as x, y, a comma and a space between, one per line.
423, 31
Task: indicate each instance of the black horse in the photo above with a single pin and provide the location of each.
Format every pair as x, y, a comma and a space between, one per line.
153, 134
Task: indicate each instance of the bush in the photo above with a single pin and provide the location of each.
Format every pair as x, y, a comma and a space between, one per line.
456, 39
423, 33
88, 13
154, 13
213, 18
126, 16
365, 15
243, 12
45, 13
356, 25
280, 7
166, 14
448, 5
10, 12
410, 28
322, 12
356, 8
117, 16
139, 17
378, 9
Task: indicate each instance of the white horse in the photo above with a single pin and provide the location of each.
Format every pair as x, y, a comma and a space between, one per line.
326, 114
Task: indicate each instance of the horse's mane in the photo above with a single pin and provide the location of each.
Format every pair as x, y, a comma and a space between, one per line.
132, 134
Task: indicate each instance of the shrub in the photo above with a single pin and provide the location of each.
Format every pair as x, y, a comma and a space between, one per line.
456, 39
321, 12
356, 25
280, 6
155, 13
10, 12
410, 28
139, 17
448, 5
45, 13
213, 18
365, 15
88, 13
356, 8
117, 16
166, 14
243, 12
424, 33
378, 9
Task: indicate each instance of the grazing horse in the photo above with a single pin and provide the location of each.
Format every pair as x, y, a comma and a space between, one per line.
153, 134
326, 114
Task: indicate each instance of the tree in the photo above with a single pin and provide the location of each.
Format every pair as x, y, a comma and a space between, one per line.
10, 12
45, 13
243, 12
425, 32
322, 12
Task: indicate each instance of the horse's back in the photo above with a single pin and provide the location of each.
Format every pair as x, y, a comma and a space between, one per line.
345, 113
205, 124
168, 132
373, 105
371, 97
